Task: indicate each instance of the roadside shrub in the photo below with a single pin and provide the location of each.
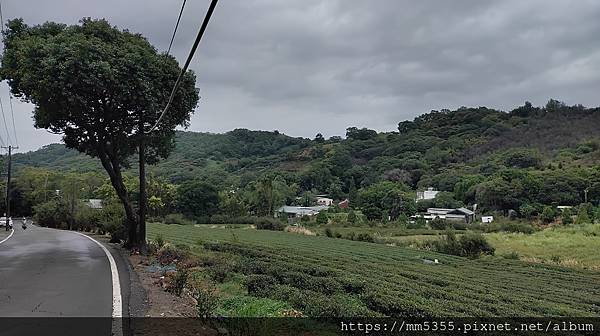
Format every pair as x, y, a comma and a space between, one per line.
159, 240
260, 284
51, 214
206, 296
328, 233
169, 254
178, 281
272, 224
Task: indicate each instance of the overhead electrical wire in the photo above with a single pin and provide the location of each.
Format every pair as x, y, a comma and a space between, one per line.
211, 9
176, 27
12, 113
4, 121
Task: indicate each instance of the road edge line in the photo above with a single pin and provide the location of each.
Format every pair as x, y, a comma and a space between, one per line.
117, 308
12, 231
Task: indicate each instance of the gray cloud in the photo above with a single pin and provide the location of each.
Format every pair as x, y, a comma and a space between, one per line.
311, 66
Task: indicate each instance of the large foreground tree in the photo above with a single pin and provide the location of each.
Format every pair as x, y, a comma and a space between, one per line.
98, 86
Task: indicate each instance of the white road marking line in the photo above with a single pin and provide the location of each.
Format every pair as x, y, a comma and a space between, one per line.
7, 238
117, 309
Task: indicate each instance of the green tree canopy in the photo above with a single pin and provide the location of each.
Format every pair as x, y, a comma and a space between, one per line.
99, 87
198, 199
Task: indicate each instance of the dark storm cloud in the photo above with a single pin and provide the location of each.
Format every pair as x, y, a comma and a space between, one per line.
311, 66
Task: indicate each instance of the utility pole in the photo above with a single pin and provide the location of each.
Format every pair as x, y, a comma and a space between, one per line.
10, 148
143, 196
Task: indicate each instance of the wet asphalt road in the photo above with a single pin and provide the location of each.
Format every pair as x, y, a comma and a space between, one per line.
52, 273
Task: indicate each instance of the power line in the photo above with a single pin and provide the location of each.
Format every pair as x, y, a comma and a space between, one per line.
211, 8
12, 115
5, 124
176, 26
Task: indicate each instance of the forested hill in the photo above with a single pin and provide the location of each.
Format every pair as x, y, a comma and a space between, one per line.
456, 151
193, 152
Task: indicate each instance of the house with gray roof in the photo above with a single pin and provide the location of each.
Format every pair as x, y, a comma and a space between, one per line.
293, 212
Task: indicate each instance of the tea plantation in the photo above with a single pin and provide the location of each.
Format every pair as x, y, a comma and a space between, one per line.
322, 276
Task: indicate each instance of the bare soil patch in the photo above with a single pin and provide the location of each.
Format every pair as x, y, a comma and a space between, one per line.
160, 302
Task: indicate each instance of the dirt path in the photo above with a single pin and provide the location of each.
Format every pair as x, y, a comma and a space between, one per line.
160, 302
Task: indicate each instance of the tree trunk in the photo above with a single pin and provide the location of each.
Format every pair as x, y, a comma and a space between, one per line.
116, 179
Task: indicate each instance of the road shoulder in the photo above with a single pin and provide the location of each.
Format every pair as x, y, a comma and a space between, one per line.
132, 293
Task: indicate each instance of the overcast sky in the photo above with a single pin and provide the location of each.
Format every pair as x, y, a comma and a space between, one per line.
309, 66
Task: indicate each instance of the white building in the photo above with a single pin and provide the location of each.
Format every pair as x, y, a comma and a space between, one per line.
427, 194
324, 201
487, 219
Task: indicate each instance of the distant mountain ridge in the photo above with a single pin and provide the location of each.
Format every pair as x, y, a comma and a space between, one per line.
429, 144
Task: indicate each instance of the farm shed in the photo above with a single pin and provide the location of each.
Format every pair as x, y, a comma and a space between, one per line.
459, 214
292, 212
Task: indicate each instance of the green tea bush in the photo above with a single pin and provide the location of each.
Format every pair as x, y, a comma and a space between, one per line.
353, 285
260, 284
248, 306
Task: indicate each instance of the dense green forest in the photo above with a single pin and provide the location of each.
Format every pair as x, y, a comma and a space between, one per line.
525, 159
